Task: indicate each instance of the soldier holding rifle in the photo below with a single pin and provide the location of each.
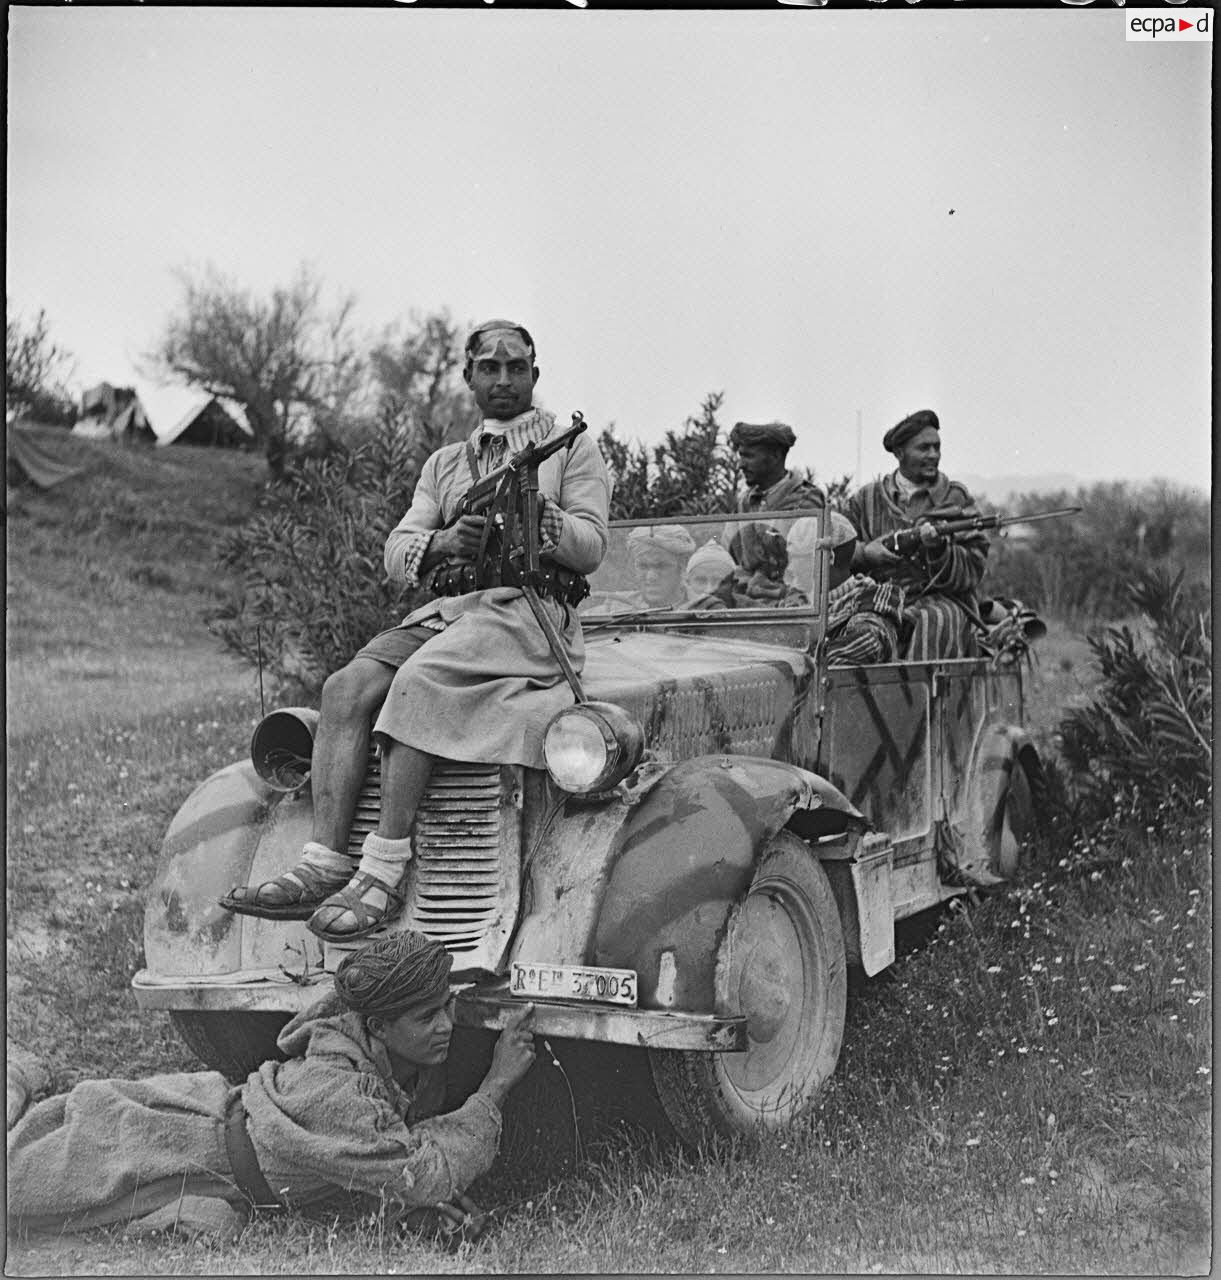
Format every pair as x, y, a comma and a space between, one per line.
468, 676
939, 575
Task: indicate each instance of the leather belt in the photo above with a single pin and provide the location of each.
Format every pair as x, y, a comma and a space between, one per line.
243, 1163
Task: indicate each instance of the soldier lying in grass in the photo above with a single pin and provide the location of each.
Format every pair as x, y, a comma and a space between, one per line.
341, 1125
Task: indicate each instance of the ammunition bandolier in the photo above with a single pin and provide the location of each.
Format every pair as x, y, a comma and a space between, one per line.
498, 563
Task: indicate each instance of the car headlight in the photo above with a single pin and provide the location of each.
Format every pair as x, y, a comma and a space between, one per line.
592, 746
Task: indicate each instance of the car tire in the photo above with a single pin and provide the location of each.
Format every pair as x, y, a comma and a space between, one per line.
782, 964
235, 1044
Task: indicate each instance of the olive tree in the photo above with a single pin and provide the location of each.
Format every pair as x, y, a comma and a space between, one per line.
290, 361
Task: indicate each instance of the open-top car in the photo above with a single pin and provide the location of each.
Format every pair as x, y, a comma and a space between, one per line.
724, 824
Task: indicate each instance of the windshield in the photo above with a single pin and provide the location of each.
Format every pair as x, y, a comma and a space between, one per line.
709, 568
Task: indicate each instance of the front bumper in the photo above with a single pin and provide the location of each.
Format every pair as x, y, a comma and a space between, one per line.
487, 1007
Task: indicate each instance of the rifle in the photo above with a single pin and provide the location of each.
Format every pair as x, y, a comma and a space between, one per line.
483, 495
949, 521
508, 497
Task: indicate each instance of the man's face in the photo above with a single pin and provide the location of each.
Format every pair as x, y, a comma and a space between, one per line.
420, 1035
660, 577
920, 458
760, 464
705, 580
502, 374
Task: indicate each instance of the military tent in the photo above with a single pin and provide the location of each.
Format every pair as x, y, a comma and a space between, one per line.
113, 413
216, 422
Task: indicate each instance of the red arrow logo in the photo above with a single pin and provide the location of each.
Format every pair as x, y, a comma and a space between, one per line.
1185, 26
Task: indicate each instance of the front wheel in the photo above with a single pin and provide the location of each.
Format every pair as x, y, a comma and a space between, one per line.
782, 966
235, 1044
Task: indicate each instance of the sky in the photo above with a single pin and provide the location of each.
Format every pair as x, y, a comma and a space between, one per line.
834, 218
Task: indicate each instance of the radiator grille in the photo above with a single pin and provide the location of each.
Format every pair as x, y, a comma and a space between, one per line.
463, 883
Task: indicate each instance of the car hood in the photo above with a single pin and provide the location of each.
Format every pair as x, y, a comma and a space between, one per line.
697, 695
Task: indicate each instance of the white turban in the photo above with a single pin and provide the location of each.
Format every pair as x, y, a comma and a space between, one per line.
671, 538
712, 556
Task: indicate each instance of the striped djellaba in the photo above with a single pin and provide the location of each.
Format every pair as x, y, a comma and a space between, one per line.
940, 589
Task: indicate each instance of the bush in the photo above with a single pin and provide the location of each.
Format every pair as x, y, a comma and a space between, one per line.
1079, 568
312, 588
1143, 744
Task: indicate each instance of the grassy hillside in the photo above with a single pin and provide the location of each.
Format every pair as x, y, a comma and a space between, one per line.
110, 576
1027, 1090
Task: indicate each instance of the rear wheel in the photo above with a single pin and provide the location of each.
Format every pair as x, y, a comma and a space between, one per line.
782, 966
1015, 823
234, 1044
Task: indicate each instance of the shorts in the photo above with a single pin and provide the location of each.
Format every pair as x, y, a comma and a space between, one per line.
392, 648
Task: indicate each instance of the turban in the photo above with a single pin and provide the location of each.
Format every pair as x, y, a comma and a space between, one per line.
840, 530
712, 556
672, 538
775, 434
393, 974
911, 426
482, 337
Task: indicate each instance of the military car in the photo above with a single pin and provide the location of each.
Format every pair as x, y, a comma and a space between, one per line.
724, 825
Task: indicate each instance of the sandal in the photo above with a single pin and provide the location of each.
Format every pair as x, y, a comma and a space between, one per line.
304, 889
349, 898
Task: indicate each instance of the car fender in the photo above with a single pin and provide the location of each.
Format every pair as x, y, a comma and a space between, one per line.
685, 856
997, 753
232, 829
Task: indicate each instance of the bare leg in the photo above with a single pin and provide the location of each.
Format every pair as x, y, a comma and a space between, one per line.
405, 773
350, 700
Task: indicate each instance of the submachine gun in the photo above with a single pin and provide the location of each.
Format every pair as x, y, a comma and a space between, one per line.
508, 497
951, 520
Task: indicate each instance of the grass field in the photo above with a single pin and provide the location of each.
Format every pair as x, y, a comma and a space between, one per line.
1026, 1090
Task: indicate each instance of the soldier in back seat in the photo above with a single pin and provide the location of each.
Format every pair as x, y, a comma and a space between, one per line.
940, 581
468, 676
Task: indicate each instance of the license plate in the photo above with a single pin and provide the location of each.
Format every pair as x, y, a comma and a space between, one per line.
572, 982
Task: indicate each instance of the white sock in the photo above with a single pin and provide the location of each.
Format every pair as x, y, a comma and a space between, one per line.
385, 859
323, 858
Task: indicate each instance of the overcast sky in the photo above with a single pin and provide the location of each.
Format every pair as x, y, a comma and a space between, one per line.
674, 203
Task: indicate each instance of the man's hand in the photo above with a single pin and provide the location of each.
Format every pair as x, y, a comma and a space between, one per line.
931, 540
461, 540
877, 555
512, 1057
461, 1220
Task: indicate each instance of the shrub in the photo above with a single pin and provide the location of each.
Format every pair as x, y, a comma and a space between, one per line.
1144, 741
1079, 568
311, 587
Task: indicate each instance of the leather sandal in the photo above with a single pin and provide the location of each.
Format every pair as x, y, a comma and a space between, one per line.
349, 898
305, 888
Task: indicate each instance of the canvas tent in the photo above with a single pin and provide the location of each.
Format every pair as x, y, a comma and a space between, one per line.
113, 413
187, 415
215, 422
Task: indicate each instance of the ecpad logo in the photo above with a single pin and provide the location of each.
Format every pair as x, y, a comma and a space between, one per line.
1185, 24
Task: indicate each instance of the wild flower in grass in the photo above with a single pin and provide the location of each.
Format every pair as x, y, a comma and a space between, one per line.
1028, 1182
1203, 1071
1139, 968
971, 1142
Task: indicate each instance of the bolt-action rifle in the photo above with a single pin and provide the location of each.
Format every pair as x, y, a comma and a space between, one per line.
949, 521
508, 498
